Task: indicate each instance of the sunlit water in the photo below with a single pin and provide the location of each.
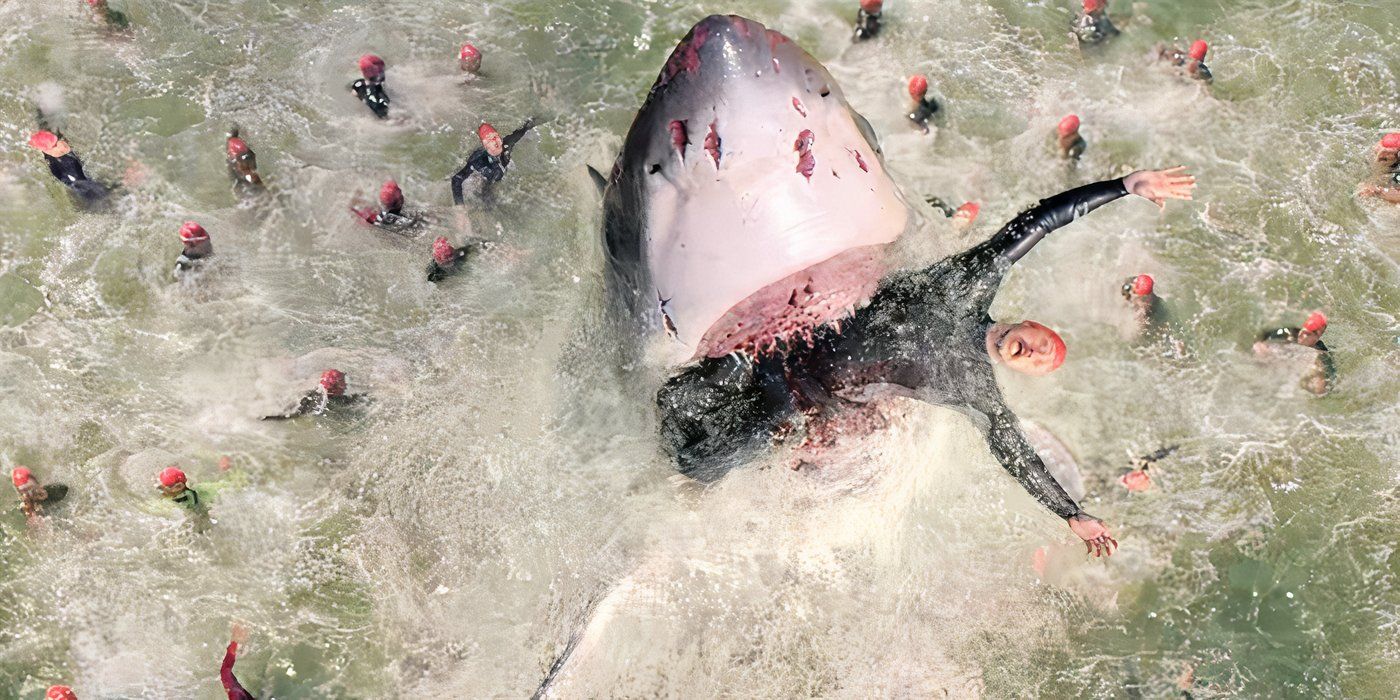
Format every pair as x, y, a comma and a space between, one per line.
451, 537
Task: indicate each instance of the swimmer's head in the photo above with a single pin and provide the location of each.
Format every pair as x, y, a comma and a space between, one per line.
1027, 347
1312, 329
192, 233
390, 196
1094, 5
1139, 286
918, 87
371, 66
443, 252
1390, 143
469, 58
966, 214
237, 147
171, 477
333, 382
63, 692
20, 476
1198, 50
490, 139
49, 143
871, 6
1068, 125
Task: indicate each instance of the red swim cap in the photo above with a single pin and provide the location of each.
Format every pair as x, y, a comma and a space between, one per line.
333, 381
170, 476
20, 476
1391, 141
443, 252
485, 131
1093, 5
236, 147
193, 233
1198, 50
1068, 125
871, 6
390, 196
371, 66
61, 692
918, 87
1316, 323
968, 210
468, 52
1142, 285
43, 140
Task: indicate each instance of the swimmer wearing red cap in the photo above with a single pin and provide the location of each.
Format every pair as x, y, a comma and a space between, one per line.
924, 107
1385, 182
112, 18
1093, 26
390, 215
448, 259
174, 485
469, 59
370, 87
868, 19
65, 166
60, 692
962, 216
242, 163
197, 247
33, 496
1068, 140
328, 393
1137, 479
235, 690
1139, 292
1192, 60
491, 159
1322, 376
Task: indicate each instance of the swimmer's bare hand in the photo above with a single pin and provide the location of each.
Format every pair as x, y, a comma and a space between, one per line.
1097, 541
1157, 186
239, 633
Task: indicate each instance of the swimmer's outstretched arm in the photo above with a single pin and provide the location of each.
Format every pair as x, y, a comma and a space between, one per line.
518, 134
460, 178
1016, 238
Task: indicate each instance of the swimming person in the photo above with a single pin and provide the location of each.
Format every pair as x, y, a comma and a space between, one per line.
1323, 374
1146, 305
370, 86
1192, 61
1067, 139
174, 485
868, 19
1385, 180
33, 496
1093, 26
197, 247
112, 18
925, 334
242, 162
924, 107
390, 215
1137, 479
65, 167
330, 392
447, 259
491, 159
469, 59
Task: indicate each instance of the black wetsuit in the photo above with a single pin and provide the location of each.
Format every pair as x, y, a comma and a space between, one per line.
190, 254
188, 498
922, 335
490, 168
1324, 365
314, 403
438, 272
68, 170
867, 25
1094, 27
371, 92
924, 110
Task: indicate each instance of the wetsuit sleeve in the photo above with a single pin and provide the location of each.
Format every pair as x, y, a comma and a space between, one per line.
1016, 238
460, 178
1008, 444
234, 689
518, 134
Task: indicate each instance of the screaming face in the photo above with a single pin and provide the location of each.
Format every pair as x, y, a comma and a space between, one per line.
1027, 347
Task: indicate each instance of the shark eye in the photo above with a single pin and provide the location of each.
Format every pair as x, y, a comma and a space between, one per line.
654, 168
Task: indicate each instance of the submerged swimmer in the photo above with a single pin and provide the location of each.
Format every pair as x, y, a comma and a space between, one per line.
1192, 62
925, 334
469, 59
1093, 26
1146, 305
962, 216
491, 159
33, 496
1068, 140
174, 485
1385, 180
370, 87
868, 19
924, 107
197, 247
1137, 479
1323, 374
235, 690
328, 393
107, 15
66, 168
242, 163
390, 215
447, 259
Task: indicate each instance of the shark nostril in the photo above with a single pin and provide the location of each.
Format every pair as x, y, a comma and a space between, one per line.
654, 169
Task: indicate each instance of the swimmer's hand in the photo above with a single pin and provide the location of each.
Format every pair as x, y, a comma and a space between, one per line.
1097, 541
239, 633
1157, 186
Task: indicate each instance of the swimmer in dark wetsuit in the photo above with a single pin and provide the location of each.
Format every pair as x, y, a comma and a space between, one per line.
447, 260
197, 247
60, 692
329, 393
33, 496
925, 334
1323, 375
962, 217
66, 168
370, 87
175, 486
1137, 479
242, 163
111, 17
235, 690
1147, 306
390, 216
924, 107
868, 20
1068, 140
1385, 180
1192, 62
1093, 26
491, 159
469, 59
